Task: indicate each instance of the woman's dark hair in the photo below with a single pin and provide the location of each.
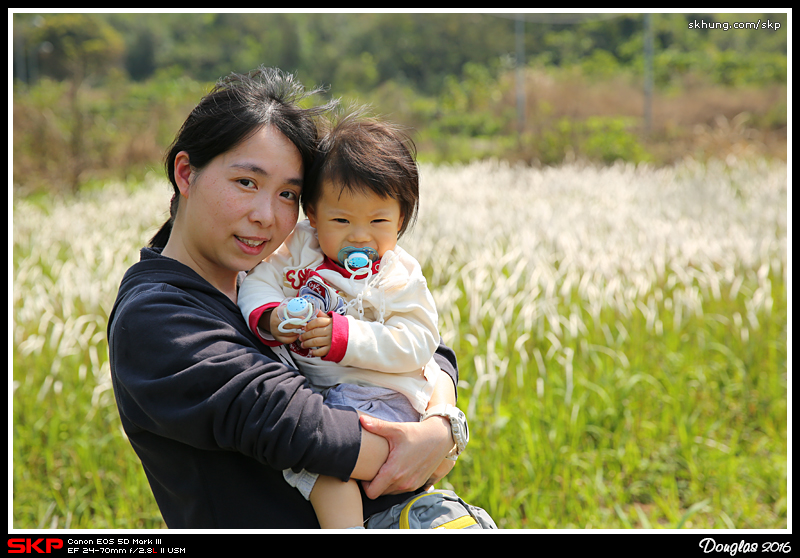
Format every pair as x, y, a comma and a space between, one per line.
359, 153
238, 106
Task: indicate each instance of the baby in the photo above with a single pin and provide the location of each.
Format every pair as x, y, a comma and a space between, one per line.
370, 322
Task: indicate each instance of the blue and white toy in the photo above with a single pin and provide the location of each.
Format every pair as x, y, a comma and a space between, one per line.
296, 312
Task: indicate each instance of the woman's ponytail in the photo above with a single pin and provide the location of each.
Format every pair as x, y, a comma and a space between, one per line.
160, 239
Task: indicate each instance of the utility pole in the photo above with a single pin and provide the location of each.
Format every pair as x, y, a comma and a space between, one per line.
648, 72
520, 36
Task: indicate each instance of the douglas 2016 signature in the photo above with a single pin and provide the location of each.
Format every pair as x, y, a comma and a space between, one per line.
710, 545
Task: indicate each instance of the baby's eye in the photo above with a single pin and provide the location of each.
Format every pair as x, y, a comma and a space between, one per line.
343, 221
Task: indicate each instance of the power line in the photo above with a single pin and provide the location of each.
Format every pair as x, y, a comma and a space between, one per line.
560, 19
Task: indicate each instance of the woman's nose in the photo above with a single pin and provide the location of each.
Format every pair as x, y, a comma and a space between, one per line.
263, 213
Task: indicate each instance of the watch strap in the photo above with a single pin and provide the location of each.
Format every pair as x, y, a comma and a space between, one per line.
456, 418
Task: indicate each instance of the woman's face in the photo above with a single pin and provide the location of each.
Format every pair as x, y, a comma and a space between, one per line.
241, 206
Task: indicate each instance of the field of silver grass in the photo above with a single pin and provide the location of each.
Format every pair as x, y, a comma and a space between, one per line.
532, 255
621, 335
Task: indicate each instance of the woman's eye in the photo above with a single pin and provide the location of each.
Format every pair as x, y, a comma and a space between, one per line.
247, 183
289, 195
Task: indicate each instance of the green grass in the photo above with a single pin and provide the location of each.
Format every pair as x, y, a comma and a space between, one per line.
73, 466
665, 407
683, 428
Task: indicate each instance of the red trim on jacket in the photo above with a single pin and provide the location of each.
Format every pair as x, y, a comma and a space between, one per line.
339, 338
255, 316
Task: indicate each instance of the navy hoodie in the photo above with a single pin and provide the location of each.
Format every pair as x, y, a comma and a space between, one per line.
212, 412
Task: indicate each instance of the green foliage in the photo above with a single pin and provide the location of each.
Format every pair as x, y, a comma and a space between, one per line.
123, 128
725, 67
600, 64
638, 441
420, 49
610, 140
602, 139
466, 105
72, 46
133, 77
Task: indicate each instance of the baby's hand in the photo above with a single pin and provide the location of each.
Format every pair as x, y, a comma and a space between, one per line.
318, 335
284, 337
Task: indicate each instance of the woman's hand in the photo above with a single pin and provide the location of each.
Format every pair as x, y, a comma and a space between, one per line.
416, 454
404, 456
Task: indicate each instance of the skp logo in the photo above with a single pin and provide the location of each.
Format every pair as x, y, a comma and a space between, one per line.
29, 546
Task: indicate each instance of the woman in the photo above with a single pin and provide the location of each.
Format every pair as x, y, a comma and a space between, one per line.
213, 414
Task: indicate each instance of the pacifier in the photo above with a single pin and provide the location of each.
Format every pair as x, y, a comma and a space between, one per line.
295, 311
353, 259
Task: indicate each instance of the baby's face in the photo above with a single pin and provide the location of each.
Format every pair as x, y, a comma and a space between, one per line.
359, 219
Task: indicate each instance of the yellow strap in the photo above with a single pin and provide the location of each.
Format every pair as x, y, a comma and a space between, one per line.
407, 510
459, 523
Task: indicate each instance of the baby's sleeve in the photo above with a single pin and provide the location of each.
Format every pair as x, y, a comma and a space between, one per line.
260, 291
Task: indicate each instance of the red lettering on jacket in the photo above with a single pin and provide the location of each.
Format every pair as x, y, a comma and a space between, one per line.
297, 277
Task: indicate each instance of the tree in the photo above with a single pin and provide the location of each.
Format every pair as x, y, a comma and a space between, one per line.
80, 45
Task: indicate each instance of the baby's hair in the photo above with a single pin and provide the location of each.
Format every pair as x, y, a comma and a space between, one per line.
360, 153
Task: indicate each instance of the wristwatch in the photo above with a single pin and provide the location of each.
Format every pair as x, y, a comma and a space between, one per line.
458, 425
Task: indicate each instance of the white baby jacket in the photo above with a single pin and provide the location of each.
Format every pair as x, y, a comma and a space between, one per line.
390, 345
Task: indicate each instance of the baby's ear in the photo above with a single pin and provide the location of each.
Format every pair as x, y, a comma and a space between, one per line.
312, 216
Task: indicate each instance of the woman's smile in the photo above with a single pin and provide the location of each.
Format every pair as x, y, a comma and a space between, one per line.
252, 243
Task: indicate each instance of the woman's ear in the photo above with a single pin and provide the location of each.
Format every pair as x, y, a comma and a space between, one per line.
183, 173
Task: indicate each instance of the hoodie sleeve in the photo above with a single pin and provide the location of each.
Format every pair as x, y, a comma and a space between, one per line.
182, 371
